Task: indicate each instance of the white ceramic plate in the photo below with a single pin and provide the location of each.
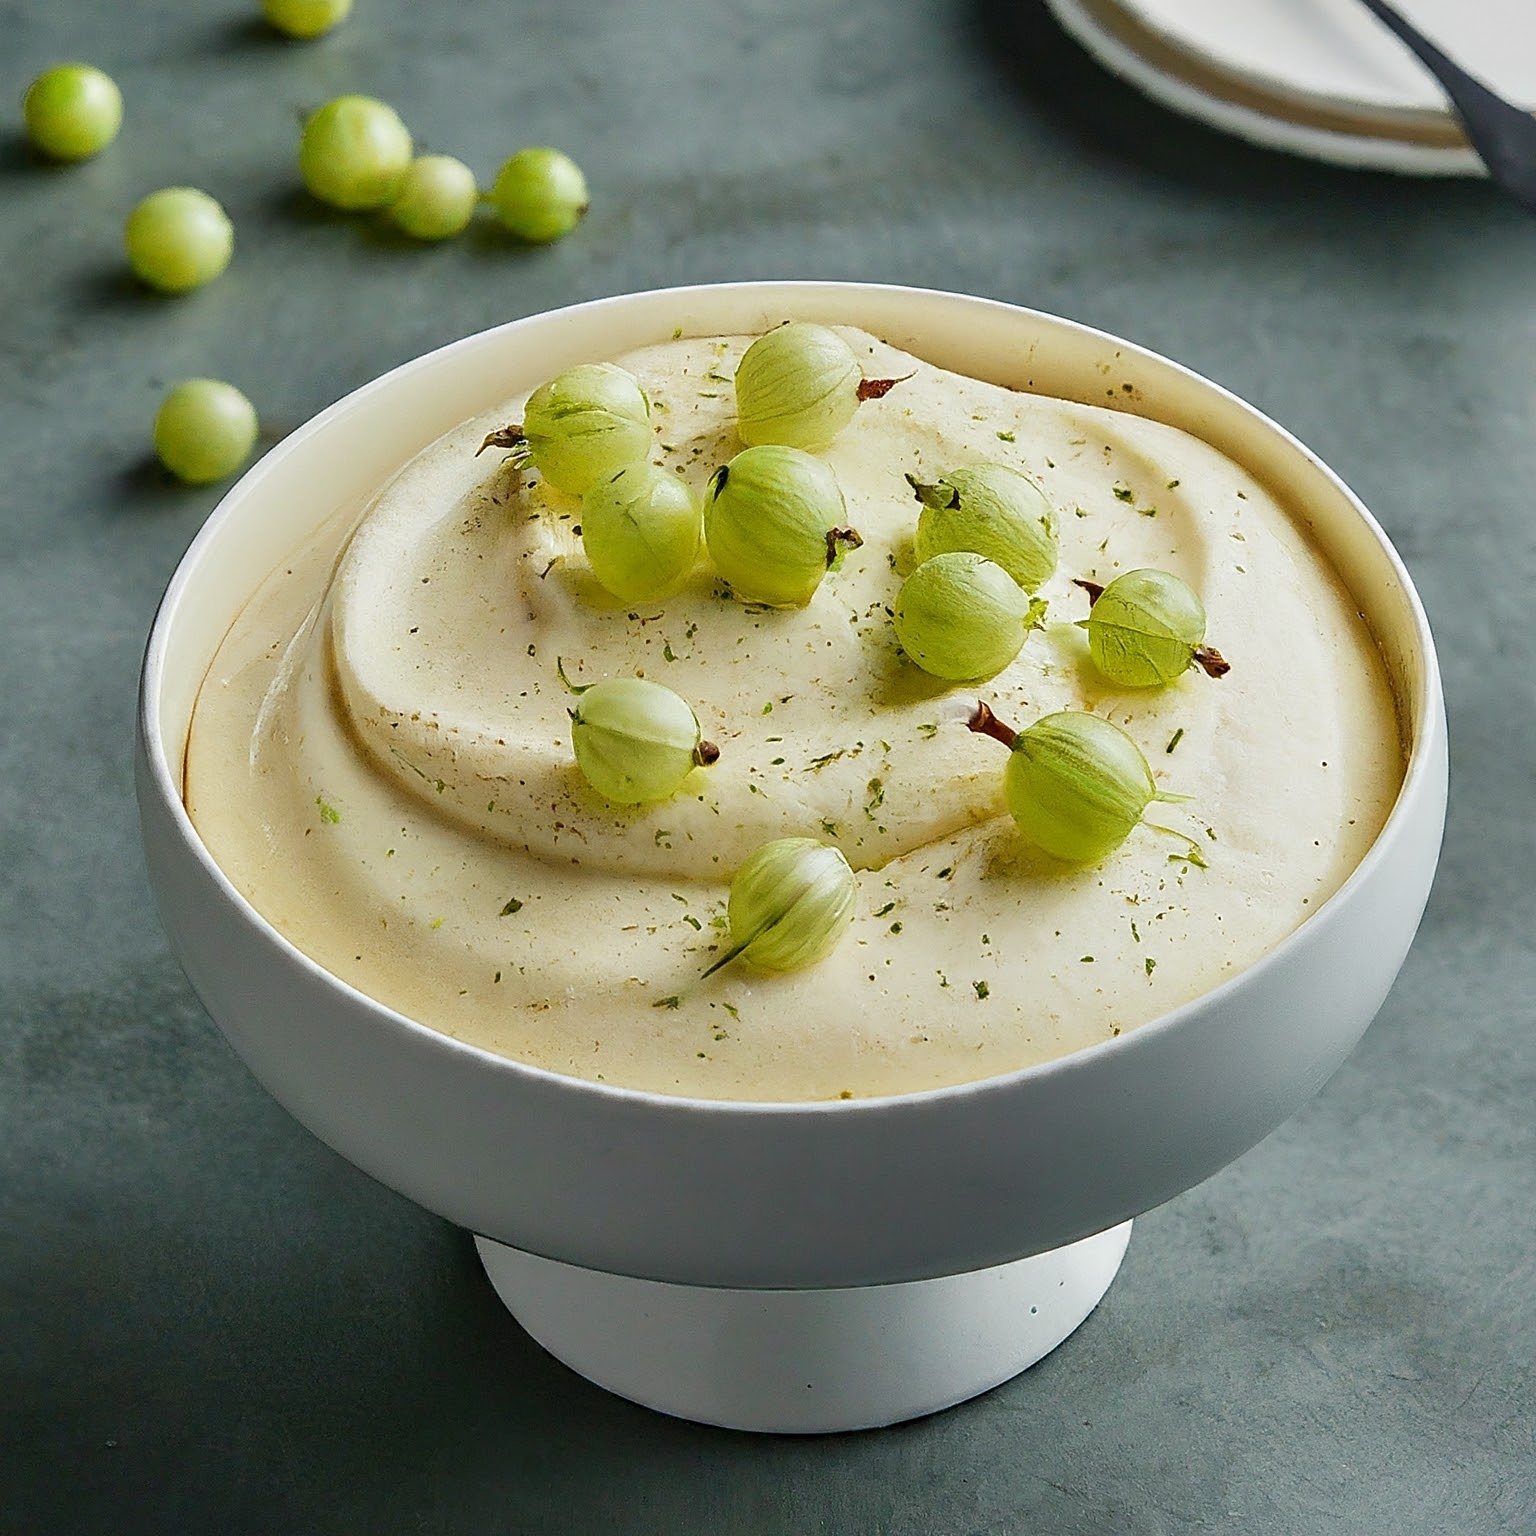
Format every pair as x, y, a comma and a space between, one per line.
1317, 77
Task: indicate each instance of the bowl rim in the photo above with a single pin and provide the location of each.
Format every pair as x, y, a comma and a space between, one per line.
1420, 705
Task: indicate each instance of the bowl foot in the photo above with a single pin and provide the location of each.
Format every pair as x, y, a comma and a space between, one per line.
805, 1362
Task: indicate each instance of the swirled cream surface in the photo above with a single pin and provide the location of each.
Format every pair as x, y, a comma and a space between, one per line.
380, 759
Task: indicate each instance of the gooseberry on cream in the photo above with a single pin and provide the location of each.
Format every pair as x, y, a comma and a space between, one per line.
641, 529
1076, 784
773, 521
962, 617
1147, 628
992, 510
583, 425
800, 384
636, 741
791, 902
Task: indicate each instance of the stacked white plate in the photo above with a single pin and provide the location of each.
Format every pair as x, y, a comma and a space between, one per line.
1318, 77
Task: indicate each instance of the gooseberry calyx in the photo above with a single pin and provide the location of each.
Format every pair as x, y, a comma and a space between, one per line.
1146, 629
962, 617
992, 510
774, 524
790, 904
636, 741
641, 528
582, 426
1076, 784
799, 385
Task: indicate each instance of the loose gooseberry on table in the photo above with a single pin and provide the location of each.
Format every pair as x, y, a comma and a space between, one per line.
636, 741
436, 199
354, 153
178, 238
584, 424
774, 524
962, 617
204, 430
306, 18
540, 194
72, 111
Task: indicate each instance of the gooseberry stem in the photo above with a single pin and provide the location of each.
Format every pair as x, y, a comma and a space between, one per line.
1094, 589
878, 389
730, 954
939, 496
570, 687
839, 542
985, 723
1212, 662
510, 436
706, 754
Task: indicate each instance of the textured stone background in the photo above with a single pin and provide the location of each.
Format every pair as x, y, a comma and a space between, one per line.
207, 1321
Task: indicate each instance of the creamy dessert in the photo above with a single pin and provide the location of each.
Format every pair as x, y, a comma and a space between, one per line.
381, 758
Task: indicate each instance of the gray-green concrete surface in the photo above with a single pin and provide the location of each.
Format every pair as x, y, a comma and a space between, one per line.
208, 1322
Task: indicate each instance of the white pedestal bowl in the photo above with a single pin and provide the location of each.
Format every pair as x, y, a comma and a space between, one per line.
785, 1266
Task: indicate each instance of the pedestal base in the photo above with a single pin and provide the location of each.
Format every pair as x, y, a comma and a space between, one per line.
805, 1362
